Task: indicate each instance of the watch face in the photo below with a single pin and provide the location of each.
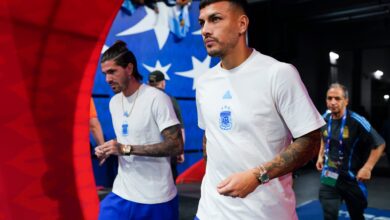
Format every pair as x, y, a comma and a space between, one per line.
127, 149
264, 178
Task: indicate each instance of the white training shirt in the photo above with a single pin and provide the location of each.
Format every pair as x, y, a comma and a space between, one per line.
146, 180
249, 115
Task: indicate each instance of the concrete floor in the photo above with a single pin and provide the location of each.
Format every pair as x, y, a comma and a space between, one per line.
306, 185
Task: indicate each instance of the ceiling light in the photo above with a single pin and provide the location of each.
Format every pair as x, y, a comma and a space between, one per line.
378, 74
333, 57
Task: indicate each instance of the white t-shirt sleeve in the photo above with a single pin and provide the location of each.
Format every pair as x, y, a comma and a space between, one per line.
293, 101
112, 106
163, 112
199, 112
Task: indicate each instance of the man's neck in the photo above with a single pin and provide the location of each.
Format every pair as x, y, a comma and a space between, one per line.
132, 88
338, 115
236, 57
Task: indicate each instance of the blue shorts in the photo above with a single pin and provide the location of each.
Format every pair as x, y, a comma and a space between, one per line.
115, 207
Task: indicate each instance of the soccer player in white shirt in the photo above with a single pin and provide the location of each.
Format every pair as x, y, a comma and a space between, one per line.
148, 135
250, 106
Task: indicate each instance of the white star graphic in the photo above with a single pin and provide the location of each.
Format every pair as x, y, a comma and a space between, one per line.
105, 47
198, 32
152, 21
198, 68
158, 66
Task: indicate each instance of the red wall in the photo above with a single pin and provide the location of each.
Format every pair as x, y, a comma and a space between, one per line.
49, 51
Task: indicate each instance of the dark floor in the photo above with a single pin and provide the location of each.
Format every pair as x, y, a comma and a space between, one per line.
306, 185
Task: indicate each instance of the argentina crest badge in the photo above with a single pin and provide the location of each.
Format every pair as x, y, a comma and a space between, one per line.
225, 118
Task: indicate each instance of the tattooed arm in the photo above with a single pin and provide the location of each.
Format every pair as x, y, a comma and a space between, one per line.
171, 146
297, 154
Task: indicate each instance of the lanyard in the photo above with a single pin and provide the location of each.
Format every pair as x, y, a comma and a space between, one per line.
340, 147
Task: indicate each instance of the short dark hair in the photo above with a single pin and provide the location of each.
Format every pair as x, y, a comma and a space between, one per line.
155, 77
340, 86
243, 4
122, 56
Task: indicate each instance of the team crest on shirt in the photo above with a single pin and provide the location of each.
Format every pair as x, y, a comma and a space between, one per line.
225, 118
325, 133
346, 132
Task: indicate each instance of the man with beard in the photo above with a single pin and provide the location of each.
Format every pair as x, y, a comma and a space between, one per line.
350, 148
250, 106
148, 135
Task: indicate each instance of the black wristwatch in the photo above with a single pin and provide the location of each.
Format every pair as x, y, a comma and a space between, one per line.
263, 177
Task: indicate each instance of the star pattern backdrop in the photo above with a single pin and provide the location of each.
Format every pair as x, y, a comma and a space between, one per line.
148, 36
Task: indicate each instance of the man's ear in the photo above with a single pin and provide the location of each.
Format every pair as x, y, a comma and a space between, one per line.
243, 24
129, 69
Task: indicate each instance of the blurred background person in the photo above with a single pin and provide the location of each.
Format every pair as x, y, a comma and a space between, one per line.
94, 125
157, 80
350, 148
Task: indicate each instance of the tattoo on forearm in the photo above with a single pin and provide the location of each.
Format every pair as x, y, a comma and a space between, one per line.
204, 147
296, 155
171, 146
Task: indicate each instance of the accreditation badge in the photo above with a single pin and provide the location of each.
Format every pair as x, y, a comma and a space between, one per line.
329, 176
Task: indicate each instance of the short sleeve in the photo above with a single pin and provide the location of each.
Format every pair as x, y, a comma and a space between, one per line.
199, 112
371, 136
375, 138
293, 102
163, 112
92, 110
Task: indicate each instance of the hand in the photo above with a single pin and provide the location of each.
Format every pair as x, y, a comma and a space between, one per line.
99, 151
100, 154
364, 174
320, 163
105, 150
180, 158
239, 184
102, 160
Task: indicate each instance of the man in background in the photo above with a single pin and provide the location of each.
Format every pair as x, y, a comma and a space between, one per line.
250, 107
94, 124
350, 148
157, 80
